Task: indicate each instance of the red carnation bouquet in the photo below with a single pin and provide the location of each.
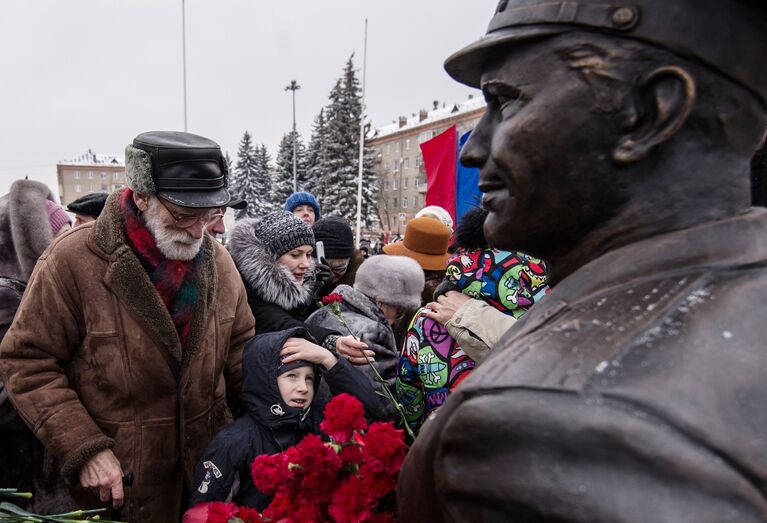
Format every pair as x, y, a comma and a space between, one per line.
350, 479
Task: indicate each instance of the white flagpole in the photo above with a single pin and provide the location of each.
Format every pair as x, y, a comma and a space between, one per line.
362, 138
183, 53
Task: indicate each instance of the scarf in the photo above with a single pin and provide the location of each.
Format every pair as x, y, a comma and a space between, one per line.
176, 281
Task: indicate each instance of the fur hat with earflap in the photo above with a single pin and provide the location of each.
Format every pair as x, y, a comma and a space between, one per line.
393, 280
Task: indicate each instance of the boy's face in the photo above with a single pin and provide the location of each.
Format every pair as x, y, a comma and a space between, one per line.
297, 387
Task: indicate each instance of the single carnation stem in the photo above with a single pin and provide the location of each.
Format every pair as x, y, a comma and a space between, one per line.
336, 310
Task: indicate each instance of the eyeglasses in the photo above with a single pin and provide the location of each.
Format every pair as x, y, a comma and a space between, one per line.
184, 222
339, 269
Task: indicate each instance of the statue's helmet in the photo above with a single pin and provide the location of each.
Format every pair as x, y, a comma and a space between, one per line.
728, 36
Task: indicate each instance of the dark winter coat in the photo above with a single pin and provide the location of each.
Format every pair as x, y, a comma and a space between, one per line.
269, 425
368, 323
25, 232
93, 361
275, 297
10, 297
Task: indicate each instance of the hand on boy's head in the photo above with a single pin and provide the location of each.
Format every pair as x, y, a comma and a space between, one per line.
302, 349
355, 351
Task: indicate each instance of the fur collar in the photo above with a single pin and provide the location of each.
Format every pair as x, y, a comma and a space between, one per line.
132, 286
25, 231
262, 273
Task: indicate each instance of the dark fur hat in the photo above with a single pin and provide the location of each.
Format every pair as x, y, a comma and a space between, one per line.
470, 234
25, 231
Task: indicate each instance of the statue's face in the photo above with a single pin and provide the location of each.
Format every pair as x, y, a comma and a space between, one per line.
544, 151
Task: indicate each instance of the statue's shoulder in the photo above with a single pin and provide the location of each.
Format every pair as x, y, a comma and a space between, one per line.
681, 347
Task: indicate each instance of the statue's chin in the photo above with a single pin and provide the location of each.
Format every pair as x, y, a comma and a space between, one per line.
497, 233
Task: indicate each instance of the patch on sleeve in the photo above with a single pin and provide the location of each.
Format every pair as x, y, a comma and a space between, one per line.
210, 466
211, 470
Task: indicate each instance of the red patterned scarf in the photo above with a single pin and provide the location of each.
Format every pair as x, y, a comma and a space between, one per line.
176, 281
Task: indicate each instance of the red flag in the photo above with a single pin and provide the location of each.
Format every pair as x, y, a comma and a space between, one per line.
439, 159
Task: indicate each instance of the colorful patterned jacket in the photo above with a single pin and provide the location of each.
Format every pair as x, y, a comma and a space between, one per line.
432, 363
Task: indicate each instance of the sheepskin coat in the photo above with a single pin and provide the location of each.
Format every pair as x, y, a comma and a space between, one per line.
277, 300
93, 361
367, 322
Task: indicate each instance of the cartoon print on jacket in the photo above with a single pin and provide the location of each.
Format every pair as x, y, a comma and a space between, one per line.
432, 363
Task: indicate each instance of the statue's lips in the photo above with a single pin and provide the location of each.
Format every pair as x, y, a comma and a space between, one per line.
493, 194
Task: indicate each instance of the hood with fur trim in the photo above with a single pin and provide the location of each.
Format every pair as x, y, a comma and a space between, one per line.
25, 231
263, 274
260, 393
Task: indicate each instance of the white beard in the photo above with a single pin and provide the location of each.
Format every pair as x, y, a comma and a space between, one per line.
174, 244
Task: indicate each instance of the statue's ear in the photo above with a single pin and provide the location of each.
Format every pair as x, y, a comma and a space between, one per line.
663, 101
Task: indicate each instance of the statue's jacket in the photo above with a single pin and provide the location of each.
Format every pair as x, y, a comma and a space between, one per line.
635, 392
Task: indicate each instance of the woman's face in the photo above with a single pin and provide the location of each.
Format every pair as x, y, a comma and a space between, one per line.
297, 261
391, 312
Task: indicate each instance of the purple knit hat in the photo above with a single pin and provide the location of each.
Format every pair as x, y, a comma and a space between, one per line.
57, 216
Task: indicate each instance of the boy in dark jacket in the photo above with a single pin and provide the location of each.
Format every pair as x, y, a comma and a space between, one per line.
281, 373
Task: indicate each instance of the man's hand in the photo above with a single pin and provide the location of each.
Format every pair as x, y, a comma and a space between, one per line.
302, 349
445, 307
103, 473
354, 350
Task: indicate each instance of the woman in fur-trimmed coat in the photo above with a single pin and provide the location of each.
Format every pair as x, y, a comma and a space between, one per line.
273, 255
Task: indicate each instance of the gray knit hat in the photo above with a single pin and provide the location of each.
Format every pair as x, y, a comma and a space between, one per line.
393, 280
282, 232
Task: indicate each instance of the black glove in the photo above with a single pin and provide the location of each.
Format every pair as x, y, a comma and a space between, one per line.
324, 279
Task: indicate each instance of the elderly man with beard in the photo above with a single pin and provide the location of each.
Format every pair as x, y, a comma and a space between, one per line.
616, 145
131, 331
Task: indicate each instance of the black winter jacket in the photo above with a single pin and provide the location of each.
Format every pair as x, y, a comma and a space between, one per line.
269, 425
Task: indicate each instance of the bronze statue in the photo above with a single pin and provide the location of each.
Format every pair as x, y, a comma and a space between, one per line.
616, 145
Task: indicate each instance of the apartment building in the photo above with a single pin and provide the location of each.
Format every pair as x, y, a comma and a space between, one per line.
398, 159
88, 173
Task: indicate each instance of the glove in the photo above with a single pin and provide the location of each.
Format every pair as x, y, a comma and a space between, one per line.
324, 279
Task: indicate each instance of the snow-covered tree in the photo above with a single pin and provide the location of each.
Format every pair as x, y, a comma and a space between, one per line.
337, 185
282, 177
229, 167
247, 184
264, 170
317, 155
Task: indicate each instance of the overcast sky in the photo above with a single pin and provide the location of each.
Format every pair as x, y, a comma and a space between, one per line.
80, 74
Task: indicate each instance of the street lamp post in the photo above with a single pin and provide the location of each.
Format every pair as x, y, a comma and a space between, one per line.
294, 87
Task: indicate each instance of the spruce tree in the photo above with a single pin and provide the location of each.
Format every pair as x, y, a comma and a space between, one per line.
245, 183
338, 186
282, 179
317, 156
264, 177
229, 167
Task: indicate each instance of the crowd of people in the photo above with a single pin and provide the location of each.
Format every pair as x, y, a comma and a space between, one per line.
148, 363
